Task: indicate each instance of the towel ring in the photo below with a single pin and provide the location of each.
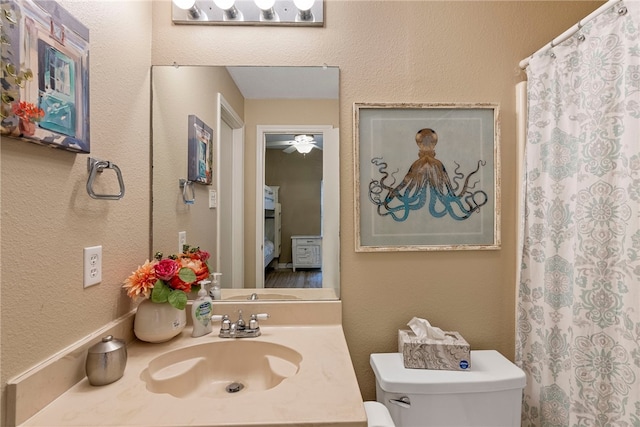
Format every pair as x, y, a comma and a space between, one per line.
185, 185
94, 166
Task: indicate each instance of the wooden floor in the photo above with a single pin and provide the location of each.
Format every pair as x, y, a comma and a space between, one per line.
286, 278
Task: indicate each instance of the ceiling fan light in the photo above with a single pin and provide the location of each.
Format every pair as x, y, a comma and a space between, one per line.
304, 147
303, 138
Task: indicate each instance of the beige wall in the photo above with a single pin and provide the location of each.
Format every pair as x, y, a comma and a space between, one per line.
300, 180
177, 93
387, 51
47, 215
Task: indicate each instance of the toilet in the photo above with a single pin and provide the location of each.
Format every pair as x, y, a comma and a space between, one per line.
378, 415
489, 394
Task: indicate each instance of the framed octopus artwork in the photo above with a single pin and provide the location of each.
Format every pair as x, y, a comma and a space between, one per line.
427, 177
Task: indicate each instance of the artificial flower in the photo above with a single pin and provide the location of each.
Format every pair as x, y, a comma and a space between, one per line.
166, 268
169, 279
141, 281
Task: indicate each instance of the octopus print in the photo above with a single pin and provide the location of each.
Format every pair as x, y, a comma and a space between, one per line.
427, 179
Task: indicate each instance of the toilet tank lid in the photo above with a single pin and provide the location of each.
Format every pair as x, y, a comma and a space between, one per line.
490, 371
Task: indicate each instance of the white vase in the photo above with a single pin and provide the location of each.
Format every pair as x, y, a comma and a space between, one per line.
158, 322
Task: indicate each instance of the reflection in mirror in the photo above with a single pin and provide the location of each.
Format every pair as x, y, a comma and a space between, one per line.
271, 208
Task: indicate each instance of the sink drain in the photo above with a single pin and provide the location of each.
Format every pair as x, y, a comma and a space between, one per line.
234, 387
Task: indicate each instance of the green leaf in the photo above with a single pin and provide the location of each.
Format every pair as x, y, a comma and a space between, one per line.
187, 275
178, 299
160, 292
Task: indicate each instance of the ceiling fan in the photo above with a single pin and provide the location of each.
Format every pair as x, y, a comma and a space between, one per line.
302, 143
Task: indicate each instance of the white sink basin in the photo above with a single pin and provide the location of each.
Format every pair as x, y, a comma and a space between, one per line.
221, 369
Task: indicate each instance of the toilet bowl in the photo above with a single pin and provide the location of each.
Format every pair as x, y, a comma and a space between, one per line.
488, 394
377, 415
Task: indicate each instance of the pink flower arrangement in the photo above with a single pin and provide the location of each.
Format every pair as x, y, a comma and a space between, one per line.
169, 279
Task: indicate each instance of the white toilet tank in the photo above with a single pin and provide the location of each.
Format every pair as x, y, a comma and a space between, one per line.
487, 395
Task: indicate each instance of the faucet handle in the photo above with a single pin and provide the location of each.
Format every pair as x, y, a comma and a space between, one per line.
253, 322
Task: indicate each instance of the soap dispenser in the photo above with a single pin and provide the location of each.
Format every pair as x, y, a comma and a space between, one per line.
215, 288
201, 311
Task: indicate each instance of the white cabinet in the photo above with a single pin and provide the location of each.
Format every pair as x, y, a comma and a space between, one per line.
306, 251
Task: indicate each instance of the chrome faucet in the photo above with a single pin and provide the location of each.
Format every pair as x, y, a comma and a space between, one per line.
239, 328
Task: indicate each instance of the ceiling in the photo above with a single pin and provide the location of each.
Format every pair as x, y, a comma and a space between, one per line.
286, 82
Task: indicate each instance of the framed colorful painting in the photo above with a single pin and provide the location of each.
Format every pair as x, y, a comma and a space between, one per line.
413, 196
200, 152
44, 75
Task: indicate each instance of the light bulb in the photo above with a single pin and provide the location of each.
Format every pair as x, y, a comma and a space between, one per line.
224, 4
304, 147
304, 4
184, 4
265, 4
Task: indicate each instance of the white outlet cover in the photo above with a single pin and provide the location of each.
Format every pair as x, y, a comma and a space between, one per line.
213, 199
92, 266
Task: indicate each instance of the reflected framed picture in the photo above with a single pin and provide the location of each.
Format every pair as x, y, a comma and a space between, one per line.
427, 177
200, 151
45, 75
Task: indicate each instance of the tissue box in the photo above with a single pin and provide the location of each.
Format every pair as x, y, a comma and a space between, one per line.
434, 354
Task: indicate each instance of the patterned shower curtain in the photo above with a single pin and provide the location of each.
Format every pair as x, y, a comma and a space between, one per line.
578, 311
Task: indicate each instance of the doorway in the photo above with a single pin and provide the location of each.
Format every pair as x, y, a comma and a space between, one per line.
329, 197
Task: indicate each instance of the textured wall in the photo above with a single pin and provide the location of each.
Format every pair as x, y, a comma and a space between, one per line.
178, 93
47, 215
300, 180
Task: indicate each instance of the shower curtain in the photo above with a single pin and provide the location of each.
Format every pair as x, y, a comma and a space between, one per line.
578, 310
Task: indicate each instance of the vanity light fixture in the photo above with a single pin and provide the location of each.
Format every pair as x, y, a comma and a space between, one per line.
249, 12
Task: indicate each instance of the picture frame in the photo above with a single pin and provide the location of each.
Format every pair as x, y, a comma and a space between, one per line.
412, 196
44, 75
200, 151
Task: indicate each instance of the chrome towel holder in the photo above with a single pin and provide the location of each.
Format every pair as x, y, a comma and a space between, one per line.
186, 185
96, 165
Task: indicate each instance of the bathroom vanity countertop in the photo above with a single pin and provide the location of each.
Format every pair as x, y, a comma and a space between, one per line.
324, 392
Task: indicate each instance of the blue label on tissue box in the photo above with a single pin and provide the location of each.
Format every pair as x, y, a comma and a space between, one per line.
464, 364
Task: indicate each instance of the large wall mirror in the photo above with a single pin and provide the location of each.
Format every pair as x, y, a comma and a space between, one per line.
270, 214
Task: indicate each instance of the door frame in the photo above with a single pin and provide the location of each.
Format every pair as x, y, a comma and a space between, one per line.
226, 114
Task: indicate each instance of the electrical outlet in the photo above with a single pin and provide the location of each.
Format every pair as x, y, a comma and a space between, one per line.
182, 240
92, 265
